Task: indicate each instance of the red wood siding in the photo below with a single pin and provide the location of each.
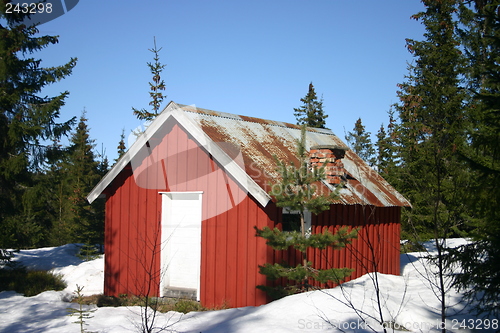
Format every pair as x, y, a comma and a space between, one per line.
376, 249
230, 252
132, 229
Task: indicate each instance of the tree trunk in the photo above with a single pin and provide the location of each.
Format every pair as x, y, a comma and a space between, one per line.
304, 253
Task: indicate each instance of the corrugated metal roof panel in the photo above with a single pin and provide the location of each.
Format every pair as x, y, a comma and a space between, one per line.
260, 140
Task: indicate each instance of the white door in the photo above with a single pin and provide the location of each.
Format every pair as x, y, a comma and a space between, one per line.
181, 244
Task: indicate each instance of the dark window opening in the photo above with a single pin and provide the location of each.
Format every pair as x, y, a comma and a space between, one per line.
290, 222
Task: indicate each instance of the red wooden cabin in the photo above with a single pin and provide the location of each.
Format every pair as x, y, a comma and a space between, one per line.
182, 203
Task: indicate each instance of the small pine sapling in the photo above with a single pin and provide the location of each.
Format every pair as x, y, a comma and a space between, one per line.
297, 192
88, 252
81, 313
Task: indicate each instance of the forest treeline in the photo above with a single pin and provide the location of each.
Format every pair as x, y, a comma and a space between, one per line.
441, 143
43, 183
440, 146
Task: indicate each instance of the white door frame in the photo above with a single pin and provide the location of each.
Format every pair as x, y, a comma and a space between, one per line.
168, 227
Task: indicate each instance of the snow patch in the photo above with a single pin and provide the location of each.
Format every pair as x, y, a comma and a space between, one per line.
406, 301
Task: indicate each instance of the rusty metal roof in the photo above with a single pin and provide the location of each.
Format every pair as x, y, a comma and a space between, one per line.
259, 140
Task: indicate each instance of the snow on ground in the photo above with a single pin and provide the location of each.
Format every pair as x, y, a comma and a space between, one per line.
63, 260
406, 301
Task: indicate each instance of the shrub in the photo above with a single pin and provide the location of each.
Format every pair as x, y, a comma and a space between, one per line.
30, 282
88, 252
186, 305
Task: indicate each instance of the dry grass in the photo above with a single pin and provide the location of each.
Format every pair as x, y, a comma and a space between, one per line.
161, 304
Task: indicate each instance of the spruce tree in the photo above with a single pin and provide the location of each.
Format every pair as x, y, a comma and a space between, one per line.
432, 122
83, 173
480, 260
386, 160
383, 152
121, 148
156, 88
297, 192
62, 230
27, 120
360, 142
311, 112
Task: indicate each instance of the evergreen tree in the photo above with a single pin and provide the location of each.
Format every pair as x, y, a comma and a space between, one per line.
433, 117
311, 112
360, 142
83, 173
156, 88
26, 121
121, 149
480, 260
386, 160
297, 192
383, 152
35, 221
62, 230
102, 163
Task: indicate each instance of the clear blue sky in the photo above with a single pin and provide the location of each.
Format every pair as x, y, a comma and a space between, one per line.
254, 58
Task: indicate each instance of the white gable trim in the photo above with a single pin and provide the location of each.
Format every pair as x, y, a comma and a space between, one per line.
173, 110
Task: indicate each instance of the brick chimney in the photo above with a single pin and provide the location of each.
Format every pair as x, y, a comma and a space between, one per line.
332, 155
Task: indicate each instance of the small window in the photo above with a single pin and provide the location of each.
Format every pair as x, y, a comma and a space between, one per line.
291, 220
